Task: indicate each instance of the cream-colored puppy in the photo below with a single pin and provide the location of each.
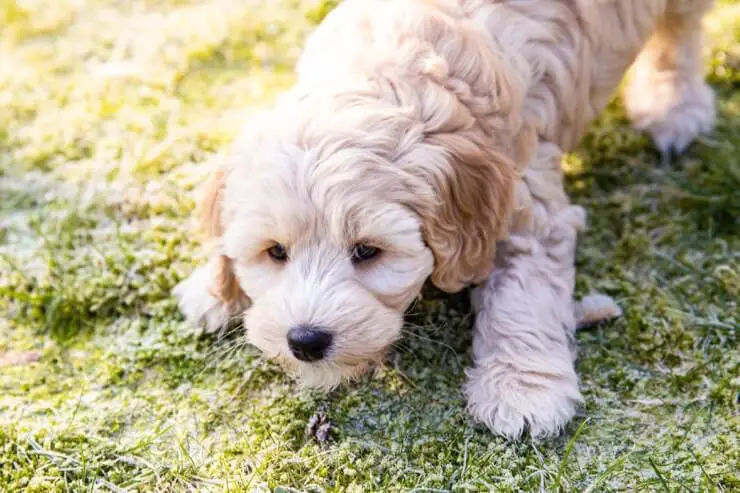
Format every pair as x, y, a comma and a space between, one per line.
422, 140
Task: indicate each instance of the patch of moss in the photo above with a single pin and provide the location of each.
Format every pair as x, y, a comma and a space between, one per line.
103, 137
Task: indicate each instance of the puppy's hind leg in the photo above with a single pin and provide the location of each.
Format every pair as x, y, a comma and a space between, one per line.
594, 309
667, 95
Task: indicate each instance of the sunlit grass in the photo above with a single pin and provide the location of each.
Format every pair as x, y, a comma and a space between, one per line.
110, 112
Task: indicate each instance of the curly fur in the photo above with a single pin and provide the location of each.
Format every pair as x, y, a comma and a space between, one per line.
433, 130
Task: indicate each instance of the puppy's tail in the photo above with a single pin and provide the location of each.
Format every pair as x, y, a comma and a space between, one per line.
595, 308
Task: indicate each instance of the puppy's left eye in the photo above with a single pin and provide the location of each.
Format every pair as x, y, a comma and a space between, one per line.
278, 253
362, 252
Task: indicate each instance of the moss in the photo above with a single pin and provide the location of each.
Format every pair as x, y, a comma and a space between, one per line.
103, 137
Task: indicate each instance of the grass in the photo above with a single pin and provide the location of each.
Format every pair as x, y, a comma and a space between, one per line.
109, 112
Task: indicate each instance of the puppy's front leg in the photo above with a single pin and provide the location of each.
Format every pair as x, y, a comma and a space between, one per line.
523, 344
200, 298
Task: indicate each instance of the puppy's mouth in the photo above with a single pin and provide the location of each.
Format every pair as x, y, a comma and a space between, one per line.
325, 354
335, 368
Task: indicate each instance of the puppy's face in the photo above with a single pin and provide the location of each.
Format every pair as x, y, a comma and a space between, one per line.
333, 215
329, 259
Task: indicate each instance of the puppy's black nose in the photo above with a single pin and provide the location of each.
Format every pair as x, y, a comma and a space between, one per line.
308, 343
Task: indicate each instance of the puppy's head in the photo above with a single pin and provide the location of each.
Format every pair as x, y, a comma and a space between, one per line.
336, 208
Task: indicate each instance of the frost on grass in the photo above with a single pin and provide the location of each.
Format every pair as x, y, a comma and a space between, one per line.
111, 113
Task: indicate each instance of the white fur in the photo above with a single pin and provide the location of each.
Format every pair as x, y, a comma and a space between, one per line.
434, 130
197, 304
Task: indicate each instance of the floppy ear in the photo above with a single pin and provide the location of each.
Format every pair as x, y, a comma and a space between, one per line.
211, 296
223, 285
473, 151
210, 205
474, 188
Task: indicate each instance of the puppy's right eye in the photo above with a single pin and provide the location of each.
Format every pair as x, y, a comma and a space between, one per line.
277, 253
362, 252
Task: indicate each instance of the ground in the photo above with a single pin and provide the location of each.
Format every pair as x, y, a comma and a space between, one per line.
109, 113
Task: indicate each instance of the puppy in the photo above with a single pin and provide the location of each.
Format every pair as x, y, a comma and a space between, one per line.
423, 140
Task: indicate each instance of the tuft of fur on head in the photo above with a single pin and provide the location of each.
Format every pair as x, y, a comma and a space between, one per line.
415, 151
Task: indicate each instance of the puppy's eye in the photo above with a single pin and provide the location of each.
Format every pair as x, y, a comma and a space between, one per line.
362, 252
277, 252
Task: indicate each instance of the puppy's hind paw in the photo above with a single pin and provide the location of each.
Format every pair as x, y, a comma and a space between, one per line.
673, 113
595, 308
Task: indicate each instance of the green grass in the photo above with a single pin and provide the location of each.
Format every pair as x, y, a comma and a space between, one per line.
109, 112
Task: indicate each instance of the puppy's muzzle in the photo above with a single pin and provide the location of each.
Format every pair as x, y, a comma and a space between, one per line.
309, 343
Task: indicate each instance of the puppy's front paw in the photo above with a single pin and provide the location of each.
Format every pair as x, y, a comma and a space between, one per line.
201, 309
673, 113
509, 401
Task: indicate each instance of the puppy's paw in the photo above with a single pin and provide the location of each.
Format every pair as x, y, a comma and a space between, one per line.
673, 113
510, 402
595, 308
200, 308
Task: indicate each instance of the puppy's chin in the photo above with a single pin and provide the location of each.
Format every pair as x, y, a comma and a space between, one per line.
362, 330
325, 375
329, 373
